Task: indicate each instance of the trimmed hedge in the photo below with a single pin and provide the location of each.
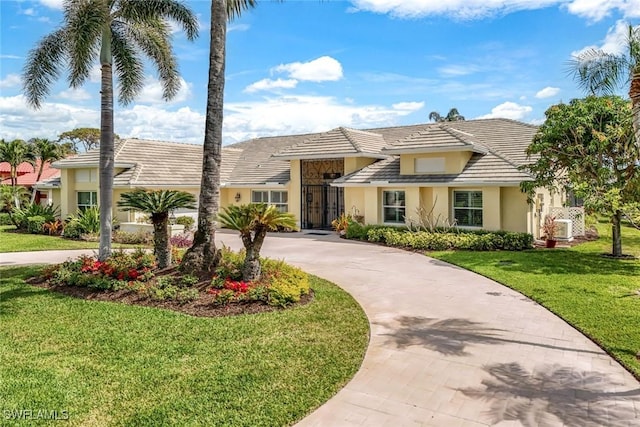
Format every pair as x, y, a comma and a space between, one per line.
473, 240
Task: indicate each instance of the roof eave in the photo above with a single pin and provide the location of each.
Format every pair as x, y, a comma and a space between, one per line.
425, 150
328, 156
79, 165
387, 184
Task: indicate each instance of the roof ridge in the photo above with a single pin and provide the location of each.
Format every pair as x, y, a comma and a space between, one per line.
119, 147
456, 134
347, 134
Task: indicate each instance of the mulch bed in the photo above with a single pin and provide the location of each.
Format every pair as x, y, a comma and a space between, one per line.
203, 306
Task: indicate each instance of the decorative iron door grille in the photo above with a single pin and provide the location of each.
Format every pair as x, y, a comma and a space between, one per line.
321, 204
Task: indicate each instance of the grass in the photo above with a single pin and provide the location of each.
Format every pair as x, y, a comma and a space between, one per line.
597, 295
11, 241
111, 364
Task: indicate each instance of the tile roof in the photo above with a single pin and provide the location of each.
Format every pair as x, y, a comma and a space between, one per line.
29, 178
23, 167
339, 142
264, 160
438, 137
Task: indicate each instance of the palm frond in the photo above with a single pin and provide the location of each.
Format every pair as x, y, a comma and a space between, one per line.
156, 201
85, 22
153, 39
236, 7
599, 72
129, 68
137, 11
43, 65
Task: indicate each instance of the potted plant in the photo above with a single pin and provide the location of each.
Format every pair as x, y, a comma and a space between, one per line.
550, 229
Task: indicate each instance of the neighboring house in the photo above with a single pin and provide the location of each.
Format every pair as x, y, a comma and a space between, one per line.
464, 172
27, 175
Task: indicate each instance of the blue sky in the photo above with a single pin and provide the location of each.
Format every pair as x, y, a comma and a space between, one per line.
308, 66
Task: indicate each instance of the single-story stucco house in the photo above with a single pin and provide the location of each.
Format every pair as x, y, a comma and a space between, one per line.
465, 172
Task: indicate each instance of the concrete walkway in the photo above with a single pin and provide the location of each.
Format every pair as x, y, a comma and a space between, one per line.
450, 348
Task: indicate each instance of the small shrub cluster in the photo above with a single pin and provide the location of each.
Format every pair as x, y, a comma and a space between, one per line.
173, 288
183, 240
135, 238
5, 218
463, 239
32, 217
83, 223
280, 285
187, 221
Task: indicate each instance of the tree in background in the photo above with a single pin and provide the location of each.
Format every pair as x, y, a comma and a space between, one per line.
158, 204
45, 151
601, 73
588, 146
452, 116
203, 256
113, 32
14, 153
87, 138
253, 221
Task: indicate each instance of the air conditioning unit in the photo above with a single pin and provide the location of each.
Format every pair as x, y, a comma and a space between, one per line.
564, 230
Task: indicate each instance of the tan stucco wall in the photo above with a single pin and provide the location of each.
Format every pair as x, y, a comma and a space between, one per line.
454, 161
352, 164
514, 209
491, 212
442, 208
371, 205
354, 201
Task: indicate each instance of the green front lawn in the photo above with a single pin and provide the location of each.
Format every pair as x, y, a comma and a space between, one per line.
11, 241
115, 364
598, 295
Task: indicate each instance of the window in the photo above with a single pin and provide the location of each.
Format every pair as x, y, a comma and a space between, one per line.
86, 175
467, 208
393, 206
279, 199
87, 199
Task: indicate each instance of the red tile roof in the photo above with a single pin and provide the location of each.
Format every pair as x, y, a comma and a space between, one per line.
28, 177
23, 167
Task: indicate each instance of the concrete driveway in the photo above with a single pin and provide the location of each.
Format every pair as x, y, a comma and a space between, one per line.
450, 348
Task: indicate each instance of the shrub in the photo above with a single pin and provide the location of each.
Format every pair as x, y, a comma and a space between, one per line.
135, 238
54, 228
187, 221
35, 224
184, 240
474, 240
21, 215
285, 283
72, 230
5, 219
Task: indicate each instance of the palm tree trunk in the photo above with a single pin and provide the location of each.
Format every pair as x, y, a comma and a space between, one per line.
106, 145
203, 255
251, 269
616, 235
34, 191
161, 242
634, 95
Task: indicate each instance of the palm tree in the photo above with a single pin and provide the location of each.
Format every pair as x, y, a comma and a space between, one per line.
15, 153
158, 204
203, 255
452, 116
601, 73
253, 221
118, 33
45, 151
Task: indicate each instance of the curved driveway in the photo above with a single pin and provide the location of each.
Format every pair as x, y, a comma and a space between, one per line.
451, 348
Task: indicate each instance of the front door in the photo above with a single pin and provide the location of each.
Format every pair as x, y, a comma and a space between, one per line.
321, 204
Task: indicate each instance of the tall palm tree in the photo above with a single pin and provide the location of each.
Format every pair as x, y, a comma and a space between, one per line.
253, 221
203, 255
452, 116
15, 153
45, 151
601, 73
158, 204
118, 33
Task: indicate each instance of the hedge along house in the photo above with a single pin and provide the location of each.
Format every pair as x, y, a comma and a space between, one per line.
464, 172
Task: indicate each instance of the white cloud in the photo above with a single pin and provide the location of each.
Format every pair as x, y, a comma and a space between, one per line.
269, 84
10, 57
95, 74
29, 12
152, 122
238, 27
508, 110
547, 92
457, 70
288, 115
594, 10
321, 69
12, 80
408, 106
53, 4
77, 95
151, 93
615, 41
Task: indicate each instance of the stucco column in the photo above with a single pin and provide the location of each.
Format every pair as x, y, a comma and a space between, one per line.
442, 206
491, 219
371, 206
412, 203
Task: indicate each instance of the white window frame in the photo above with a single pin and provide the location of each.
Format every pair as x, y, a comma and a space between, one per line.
429, 165
93, 200
468, 208
272, 198
399, 205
